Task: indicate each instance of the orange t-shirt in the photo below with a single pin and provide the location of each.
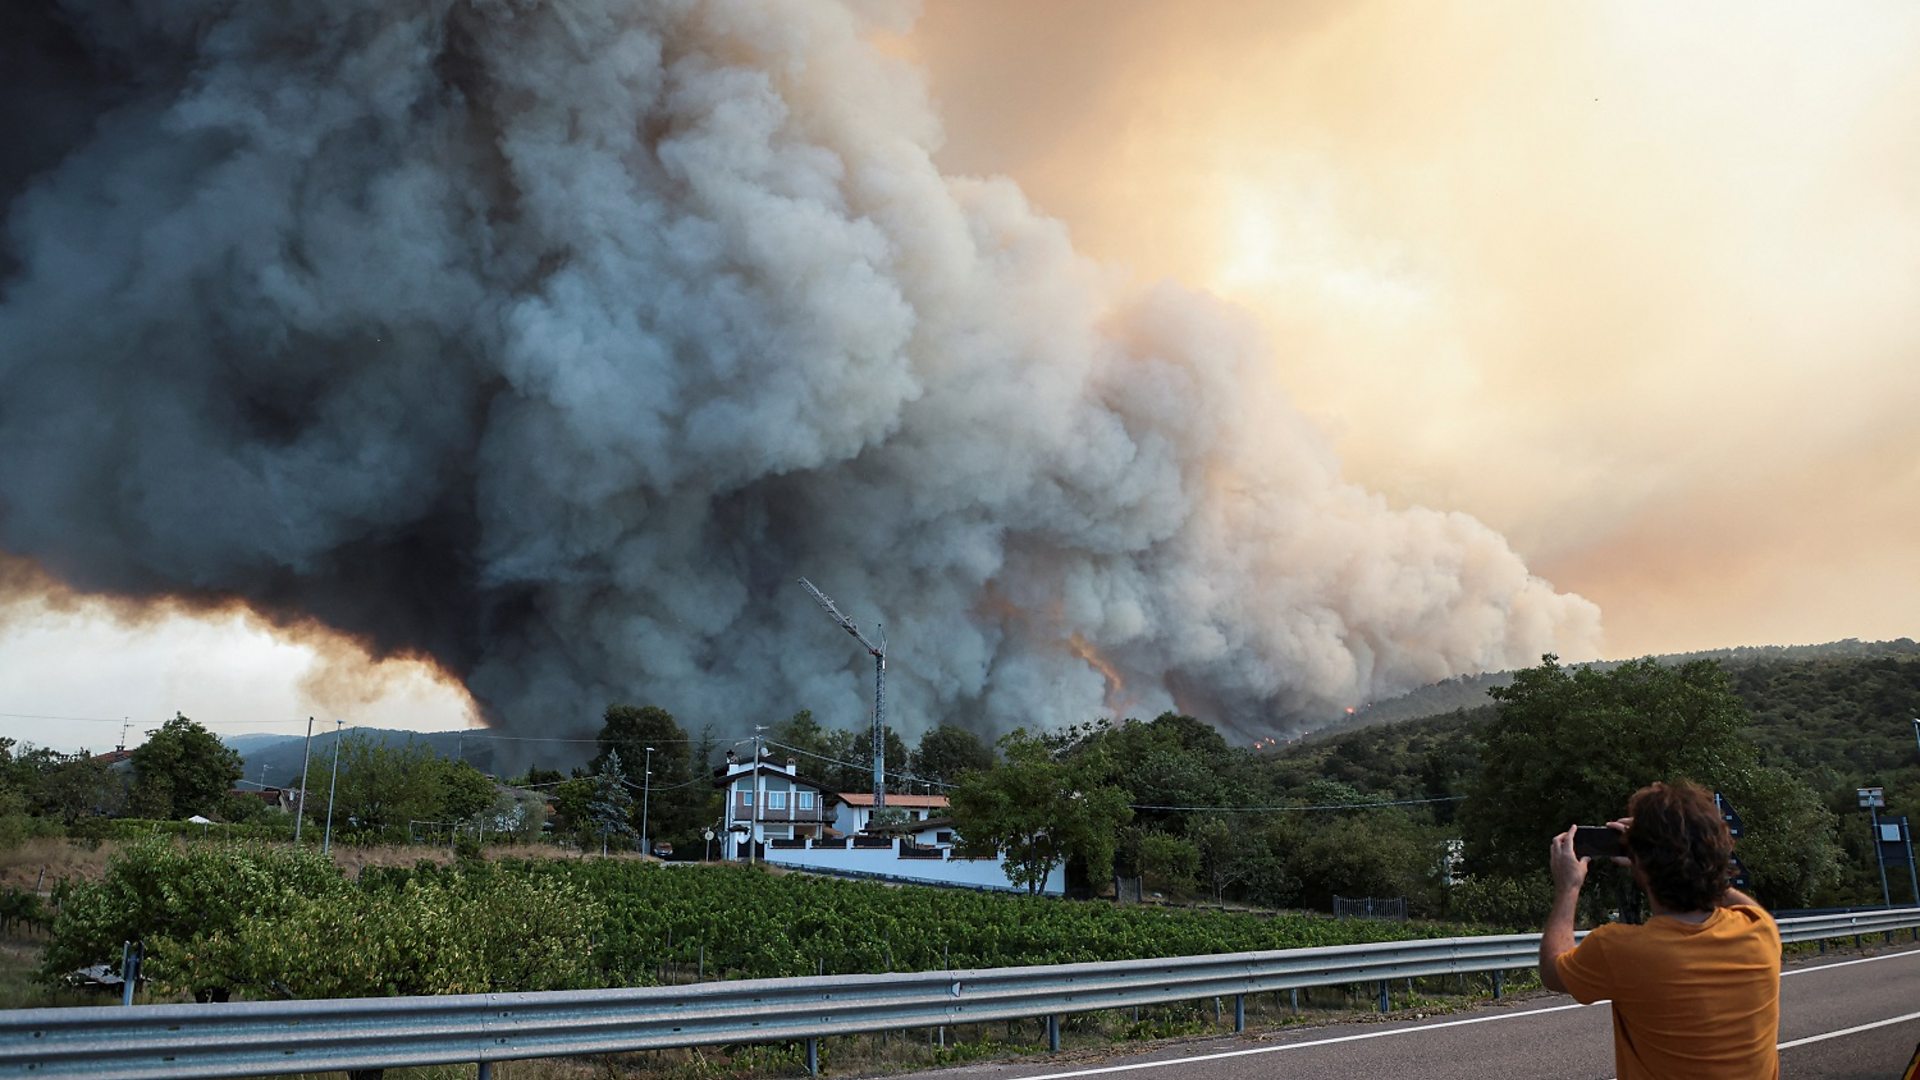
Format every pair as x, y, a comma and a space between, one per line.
1699, 1001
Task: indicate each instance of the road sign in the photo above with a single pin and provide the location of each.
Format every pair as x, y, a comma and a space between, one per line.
1871, 797
708, 834
1740, 874
1729, 815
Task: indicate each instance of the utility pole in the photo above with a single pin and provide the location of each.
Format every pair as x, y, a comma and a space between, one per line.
326, 843
646, 795
300, 812
879, 654
759, 796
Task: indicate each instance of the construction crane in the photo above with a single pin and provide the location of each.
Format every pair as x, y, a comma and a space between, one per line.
879, 654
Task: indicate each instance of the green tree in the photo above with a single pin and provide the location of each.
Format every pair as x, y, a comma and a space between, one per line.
676, 797
465, 792
1571, 746
610, 810
181, 770
70, 787
380, 786
947, 751
1038, 811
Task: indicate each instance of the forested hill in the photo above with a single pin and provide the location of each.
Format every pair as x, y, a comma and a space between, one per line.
1470, 691
1838, 720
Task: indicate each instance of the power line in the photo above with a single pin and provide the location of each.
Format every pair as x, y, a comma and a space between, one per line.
1322, 806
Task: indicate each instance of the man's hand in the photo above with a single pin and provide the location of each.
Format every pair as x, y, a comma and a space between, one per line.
1569, 870
1621, 826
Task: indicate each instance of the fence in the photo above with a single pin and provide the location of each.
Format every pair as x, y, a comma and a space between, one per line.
149, 1042
1370, 908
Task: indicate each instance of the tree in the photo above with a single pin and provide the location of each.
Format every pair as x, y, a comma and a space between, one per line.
380, 786
182, 769
610, 810
465, 792
1038, 811
676, 797
947, 751
1571, 746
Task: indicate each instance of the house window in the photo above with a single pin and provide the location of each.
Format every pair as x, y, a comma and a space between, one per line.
803, 800
746, 797
776, 800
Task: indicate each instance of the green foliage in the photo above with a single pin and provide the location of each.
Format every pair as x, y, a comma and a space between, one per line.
1512, 903
949, 751
182, 770
382, 787
1167, 862
453, 933
679, 794
1571, 746
159, 892
1038, 810
610, 810
746, 923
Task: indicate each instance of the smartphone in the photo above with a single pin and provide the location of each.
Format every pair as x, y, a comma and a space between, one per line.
1598, 842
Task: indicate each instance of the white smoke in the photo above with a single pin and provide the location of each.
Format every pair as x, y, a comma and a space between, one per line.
554, 340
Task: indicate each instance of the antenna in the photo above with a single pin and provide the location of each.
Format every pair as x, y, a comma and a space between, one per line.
879, 654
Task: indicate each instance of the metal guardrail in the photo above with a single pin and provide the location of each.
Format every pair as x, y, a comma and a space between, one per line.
149, 1042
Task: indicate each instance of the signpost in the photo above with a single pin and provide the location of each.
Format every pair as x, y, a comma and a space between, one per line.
1872, 799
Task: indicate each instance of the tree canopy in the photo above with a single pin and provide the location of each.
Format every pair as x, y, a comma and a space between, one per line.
181, 770
1039, 809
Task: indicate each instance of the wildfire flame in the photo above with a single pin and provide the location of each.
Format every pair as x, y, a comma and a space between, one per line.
1117, 700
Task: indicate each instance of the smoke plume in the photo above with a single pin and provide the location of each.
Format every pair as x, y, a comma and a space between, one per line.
552, 341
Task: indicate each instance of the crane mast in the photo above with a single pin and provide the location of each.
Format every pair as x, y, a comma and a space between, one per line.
879, 654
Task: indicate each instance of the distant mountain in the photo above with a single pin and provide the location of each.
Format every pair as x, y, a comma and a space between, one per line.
1470, 691
279, 755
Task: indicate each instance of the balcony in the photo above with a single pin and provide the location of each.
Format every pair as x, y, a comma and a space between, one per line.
777, 815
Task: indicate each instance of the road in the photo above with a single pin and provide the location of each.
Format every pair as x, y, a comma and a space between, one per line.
1840, 1018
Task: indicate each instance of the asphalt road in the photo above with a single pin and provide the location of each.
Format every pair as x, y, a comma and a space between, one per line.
1840, 1017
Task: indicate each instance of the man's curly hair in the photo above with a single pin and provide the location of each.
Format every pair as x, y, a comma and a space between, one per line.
1680, 843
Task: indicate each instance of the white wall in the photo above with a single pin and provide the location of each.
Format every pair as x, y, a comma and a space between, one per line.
884, 862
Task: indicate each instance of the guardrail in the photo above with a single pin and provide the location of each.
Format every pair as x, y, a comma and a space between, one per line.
150, 1042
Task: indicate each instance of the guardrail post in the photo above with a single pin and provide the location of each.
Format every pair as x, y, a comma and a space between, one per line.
1386, 1004
1498, 983
1053, 1034
1239, 1013
813, 1057
1296, 1000
486, 1070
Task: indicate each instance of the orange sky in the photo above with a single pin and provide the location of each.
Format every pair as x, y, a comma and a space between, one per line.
1634, 285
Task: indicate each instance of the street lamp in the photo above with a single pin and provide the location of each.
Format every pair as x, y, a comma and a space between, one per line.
326, 844
646, 794
1916, 731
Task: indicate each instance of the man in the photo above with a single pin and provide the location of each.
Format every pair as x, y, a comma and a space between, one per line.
1696, 990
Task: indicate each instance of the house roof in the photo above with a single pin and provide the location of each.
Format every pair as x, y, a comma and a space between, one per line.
727, 774
904, 802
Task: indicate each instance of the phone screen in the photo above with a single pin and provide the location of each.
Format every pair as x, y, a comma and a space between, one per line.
1597, 842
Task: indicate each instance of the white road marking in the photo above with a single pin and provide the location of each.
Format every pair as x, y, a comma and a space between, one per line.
1298, 1045
1849, 1031
1472, 1020
1850, 963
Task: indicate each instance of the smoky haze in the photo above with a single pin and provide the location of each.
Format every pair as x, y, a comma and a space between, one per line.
552, 342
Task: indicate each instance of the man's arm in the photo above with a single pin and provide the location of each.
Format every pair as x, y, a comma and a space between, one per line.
1569, 874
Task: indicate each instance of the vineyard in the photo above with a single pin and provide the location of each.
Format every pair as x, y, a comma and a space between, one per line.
221, 919
741, 922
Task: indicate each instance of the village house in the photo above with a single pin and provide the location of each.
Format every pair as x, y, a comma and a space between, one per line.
766, 801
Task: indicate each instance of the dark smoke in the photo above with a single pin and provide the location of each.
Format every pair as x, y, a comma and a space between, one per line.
552, 341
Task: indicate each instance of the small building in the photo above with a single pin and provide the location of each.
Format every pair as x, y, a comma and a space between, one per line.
855, 811
768, 801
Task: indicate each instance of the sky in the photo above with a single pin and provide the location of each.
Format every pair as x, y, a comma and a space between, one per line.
1631, 284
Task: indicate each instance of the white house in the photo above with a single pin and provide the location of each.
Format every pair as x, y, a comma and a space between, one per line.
855, 810
767, 801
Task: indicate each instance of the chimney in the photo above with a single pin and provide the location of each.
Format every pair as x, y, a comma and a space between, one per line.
793, 767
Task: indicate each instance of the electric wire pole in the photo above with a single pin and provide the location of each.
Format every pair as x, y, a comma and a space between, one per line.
879, 654
306, 756
326, 843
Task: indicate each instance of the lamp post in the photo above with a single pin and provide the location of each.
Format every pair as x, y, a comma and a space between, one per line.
646, 795
326, 844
